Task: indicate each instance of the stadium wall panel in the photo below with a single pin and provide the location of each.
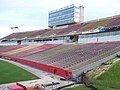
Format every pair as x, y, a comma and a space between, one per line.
49, 68
99, 39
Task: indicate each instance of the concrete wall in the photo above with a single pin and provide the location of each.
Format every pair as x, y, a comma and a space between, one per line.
99, 38
8, 43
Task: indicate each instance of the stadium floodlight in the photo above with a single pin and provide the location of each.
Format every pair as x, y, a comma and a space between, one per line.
13, 28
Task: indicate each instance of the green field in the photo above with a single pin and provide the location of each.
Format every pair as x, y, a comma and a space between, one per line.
12, 73
110, 80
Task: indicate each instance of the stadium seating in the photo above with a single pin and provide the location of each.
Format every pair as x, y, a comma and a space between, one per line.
75, 55
62, 31
29, 34
51, 32
102, 51
94, 24
3, 47
23, 35
11, 36
20, 35
9, 48
38, 33
85, 26
115, 22
62, 59
47, 53
12, 52
35, 50
71, 28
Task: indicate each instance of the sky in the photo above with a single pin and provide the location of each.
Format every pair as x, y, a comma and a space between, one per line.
33, 14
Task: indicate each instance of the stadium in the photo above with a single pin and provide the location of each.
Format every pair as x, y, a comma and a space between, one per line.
68, 49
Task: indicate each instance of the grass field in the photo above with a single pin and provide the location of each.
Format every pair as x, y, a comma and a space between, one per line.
11, 73
110, 80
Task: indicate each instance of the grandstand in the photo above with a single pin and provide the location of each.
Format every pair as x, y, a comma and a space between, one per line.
65, 51
66, 34
68, 61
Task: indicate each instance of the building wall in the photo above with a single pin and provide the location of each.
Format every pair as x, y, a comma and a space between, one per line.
101, 37
8, 43
66, 15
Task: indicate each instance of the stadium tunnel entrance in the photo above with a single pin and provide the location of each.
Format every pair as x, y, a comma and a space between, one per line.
74, 38
19, 42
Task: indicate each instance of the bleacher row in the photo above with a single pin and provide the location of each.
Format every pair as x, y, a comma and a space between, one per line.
66, 56
86, 26
24, 50
9, 48
57, 58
